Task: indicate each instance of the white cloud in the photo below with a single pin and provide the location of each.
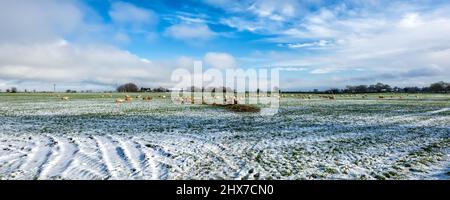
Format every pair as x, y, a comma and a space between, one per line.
259, 16
242, 24
64, 63
219, 60
405, 46
190, 32
28, 21
34, 53
130, 16
280, 10
274, 10
411, 20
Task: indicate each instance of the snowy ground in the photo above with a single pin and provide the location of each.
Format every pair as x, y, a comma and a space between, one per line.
91, 137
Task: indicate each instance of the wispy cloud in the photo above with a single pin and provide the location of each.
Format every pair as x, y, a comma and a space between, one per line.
317, 44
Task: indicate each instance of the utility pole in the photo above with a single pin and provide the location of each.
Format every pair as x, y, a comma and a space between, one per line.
54, 88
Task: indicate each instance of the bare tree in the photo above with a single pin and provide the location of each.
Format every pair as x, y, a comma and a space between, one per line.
128, 87
440, 86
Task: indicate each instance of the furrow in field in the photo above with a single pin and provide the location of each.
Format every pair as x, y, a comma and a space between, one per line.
88, 157
33, 165
194, 151
77, 171
114, 157
137, 158
11, 156
82, 162
156, 161
11, 165
62, 157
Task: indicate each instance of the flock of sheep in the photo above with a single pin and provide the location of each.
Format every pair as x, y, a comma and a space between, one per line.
233, 99
128, 98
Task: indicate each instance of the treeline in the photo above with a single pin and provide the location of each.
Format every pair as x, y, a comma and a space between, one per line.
131, 87
11, 90
439, 87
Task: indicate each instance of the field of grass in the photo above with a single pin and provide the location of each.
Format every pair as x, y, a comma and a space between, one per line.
89, 136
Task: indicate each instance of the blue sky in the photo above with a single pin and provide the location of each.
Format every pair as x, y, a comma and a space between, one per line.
97, 44
154, 42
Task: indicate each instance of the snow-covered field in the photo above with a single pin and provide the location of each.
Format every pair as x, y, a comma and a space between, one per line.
91, 137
